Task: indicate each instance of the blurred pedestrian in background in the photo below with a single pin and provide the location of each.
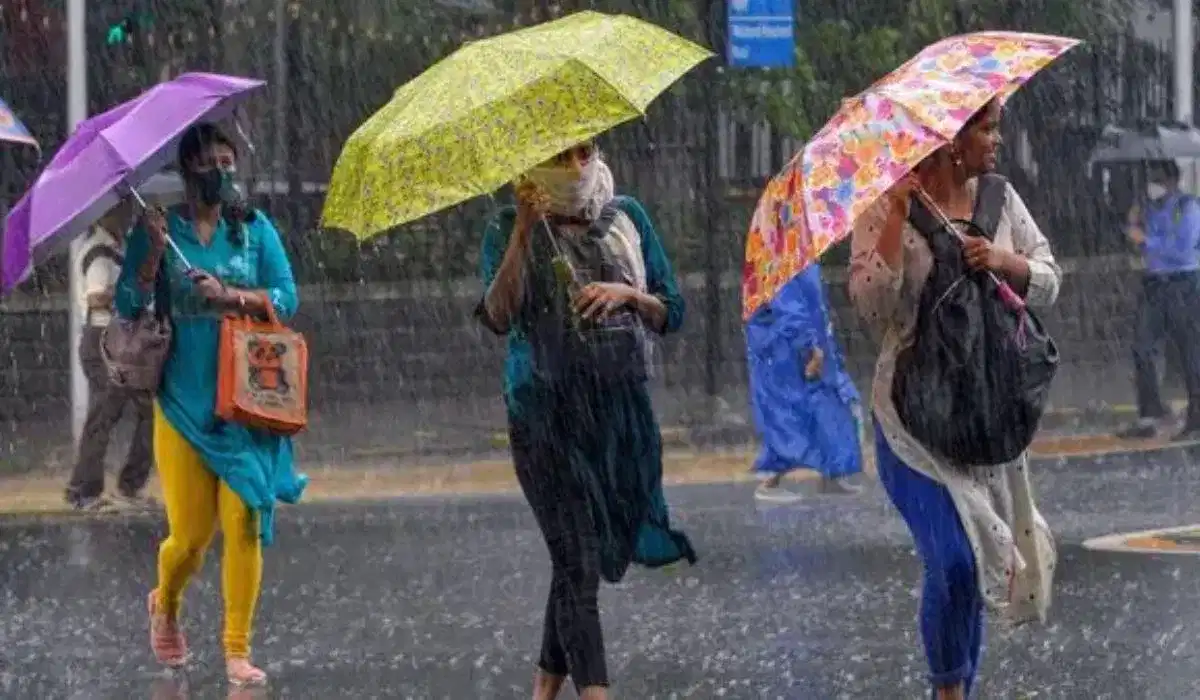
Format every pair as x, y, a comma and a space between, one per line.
100, 264
804, 403
1165, 227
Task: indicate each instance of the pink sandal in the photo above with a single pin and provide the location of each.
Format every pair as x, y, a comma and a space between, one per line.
166, 639
241, 673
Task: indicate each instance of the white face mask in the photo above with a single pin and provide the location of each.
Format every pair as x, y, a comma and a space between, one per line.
566, 187
1156, 191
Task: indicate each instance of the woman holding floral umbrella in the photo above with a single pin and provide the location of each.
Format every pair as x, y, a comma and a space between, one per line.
978, 531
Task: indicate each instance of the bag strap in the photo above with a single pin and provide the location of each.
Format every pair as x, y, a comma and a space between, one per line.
272, 317
922, 219
604, 223
990, 196
598, 229
162, 290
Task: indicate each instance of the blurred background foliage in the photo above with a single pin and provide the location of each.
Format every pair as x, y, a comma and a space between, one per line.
692, 159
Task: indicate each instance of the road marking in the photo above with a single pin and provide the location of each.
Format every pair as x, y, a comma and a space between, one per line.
1172, 540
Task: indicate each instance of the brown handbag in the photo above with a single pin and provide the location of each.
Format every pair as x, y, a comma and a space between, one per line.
136, 350
262, 374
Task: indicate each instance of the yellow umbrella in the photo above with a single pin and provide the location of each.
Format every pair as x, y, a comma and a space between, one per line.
495, 108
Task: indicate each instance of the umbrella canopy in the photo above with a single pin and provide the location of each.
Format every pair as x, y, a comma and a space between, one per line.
105, 159
494, 109
875, 139
1163, 141
12, 130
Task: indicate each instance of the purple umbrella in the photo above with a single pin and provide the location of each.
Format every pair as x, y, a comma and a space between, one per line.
105, 159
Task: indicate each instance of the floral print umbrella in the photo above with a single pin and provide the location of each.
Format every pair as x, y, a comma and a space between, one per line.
875, 139
496, 108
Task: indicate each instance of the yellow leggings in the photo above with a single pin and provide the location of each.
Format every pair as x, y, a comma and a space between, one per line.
196, 500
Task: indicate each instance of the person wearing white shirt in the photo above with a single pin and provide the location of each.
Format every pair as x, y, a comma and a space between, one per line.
100, 264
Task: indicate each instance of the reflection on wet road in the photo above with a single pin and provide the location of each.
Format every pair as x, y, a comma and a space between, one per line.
443, 599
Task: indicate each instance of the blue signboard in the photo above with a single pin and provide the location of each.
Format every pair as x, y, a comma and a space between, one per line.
761, 33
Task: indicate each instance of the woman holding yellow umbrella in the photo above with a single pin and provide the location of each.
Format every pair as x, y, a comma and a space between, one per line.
575, 277
915, 149
585, 441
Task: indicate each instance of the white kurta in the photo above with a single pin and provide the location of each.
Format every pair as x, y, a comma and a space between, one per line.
1014, 548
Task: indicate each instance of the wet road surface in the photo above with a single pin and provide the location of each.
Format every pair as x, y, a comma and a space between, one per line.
443, 599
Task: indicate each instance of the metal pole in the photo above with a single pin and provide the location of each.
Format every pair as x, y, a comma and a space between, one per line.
279, 150
714, 214
1183, 60
77, 92
1184, 80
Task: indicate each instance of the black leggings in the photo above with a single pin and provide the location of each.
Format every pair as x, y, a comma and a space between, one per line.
572, 641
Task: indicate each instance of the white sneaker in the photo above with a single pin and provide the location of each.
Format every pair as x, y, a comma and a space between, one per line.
776, 494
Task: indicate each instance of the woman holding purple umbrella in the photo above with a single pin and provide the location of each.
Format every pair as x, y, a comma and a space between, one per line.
212, 472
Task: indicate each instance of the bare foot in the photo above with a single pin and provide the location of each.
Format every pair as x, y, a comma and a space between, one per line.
954, 692
546, 686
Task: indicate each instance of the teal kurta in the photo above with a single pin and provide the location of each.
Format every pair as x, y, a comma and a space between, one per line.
619, 461
256, 465
660, 281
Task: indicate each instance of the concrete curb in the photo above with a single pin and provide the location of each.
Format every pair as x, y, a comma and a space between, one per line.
1157, 542
383, 482
1093, 419
1097, 417
492, 443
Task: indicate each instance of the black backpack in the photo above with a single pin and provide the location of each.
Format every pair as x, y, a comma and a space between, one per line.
974, 384
566, 348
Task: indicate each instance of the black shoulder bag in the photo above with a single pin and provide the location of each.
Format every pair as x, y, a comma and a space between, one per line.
567, 348
974, 384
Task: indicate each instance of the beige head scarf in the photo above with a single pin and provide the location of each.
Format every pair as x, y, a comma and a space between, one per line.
584, 193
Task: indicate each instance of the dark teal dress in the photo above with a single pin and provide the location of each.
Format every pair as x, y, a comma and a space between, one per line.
606, 435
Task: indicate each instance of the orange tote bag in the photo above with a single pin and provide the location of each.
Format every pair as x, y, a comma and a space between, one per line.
262, 374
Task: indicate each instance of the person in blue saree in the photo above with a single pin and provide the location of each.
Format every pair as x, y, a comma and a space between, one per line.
585, 441
212, 472
804, 402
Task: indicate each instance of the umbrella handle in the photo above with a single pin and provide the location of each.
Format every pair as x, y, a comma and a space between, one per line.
170, 241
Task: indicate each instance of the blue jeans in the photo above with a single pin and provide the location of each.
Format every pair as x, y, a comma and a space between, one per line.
951, 615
